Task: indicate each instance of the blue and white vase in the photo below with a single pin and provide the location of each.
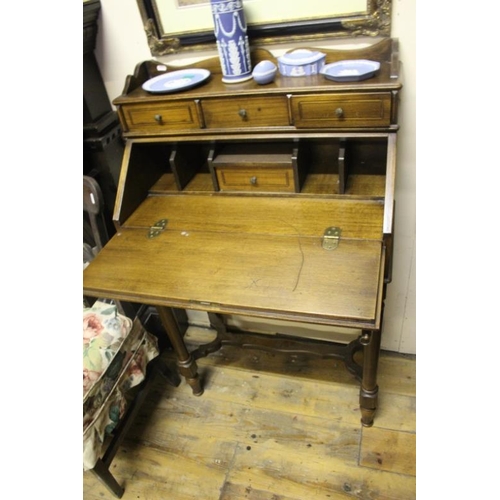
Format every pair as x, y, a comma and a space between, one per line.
230, 30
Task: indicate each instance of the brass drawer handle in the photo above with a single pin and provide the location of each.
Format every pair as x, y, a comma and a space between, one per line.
158, 119
243, 114
339, 112
253, 180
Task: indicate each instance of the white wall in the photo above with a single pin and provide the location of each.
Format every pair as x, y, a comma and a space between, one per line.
400, 314
122, 43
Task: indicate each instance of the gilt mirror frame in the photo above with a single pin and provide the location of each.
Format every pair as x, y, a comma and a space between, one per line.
372, 20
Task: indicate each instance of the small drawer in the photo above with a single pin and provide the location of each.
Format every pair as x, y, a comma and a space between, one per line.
342, 110
160, 118
245, 113
265, 167
256, 179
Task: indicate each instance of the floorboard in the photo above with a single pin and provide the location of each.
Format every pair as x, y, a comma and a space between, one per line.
270, 427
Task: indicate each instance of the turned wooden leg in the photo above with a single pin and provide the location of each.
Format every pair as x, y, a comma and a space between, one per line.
368, 396
185, 362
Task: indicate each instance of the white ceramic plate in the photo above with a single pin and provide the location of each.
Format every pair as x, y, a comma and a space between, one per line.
175, 81
351, 70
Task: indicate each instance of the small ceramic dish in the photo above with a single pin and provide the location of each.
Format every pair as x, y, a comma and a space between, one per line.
353, 70
175, 81
264, 72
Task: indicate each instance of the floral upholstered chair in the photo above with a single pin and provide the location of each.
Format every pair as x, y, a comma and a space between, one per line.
116, 353
120, 360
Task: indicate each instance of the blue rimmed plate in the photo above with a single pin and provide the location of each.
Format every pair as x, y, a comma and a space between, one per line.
353, 70
176, 81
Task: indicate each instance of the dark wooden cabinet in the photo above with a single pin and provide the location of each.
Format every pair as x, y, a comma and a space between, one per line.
102, 140
273, 201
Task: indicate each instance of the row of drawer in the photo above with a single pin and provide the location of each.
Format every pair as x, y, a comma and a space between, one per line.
311, 111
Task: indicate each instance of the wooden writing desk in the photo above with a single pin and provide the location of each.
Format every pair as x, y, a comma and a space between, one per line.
272, 201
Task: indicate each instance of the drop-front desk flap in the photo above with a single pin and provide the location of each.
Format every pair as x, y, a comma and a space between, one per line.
288, 258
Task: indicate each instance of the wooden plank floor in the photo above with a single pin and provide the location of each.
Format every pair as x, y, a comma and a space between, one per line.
270, 427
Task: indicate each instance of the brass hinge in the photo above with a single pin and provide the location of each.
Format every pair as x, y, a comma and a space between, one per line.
157, 228
331, 238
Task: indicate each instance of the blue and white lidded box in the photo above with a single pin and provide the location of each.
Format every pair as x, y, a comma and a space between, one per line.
301, 62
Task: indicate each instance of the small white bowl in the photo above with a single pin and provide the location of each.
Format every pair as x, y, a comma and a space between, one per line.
264, 72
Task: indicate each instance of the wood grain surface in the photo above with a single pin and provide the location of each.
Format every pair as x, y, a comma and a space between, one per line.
264, 258
256, 434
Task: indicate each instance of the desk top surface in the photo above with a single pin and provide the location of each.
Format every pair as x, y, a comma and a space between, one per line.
264, 258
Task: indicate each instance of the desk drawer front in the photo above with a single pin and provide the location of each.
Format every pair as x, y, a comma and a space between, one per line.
256, 179
348, 110
158, 119
247, 113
